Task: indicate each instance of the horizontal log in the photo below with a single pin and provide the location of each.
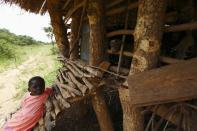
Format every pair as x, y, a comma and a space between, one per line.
119, 32
125, 53
171, 28
164, 59
122, 9
114, 3
179, 83
123, 71
181, 27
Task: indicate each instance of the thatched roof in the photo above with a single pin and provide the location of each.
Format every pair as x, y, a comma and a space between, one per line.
35, 6
40, 6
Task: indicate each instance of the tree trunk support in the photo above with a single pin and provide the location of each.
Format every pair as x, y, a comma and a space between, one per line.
147, 38
97, 50
59, 30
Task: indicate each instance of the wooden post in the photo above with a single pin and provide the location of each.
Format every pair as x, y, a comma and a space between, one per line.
74, 32
147, 36
59, 29
95, 16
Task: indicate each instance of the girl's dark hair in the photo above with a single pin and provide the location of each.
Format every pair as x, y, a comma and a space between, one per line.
36, 85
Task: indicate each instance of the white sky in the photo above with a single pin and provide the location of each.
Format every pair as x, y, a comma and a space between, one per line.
21, 22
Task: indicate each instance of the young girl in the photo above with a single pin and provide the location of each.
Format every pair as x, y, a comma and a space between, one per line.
32, 107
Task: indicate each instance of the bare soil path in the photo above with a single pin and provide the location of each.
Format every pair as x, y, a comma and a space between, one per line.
8, 82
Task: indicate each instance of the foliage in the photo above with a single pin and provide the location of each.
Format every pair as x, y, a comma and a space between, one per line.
11, 38
5, 50
49, 33
54, 50
11, 45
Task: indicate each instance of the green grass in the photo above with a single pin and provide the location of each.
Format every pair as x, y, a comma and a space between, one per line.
21, 53
45, 65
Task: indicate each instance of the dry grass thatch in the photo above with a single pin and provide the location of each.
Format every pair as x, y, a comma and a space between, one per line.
34, 6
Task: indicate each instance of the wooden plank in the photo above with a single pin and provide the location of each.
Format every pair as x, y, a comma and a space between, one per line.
173, 83
164, 59
171, 28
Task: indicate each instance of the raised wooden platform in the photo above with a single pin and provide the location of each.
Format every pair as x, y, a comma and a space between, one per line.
177, 82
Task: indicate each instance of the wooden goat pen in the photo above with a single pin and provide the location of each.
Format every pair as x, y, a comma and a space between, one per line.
133, 36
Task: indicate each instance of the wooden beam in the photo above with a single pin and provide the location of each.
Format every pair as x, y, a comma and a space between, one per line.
123, 71
172, 28
181, 27
114, 3
122, 9
179, 83
125, 53
164, 59
119, 32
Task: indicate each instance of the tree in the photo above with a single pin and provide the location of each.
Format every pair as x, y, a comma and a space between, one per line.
49, 33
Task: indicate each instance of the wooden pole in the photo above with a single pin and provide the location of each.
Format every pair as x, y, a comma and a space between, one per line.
97, 50
171, 28
59, 30
74, 32
182, 27
147, 38
95, 17
114, 3
122, 9
123, 40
